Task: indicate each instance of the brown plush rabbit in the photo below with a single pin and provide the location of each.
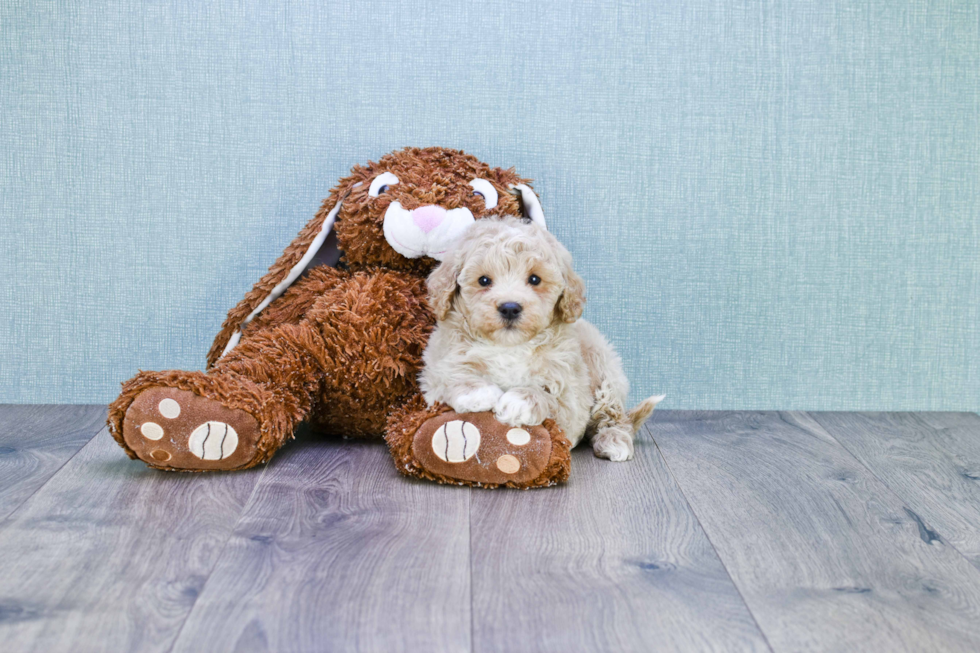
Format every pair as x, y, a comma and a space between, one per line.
338, 342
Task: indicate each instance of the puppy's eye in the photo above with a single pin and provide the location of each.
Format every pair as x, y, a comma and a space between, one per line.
485, 189
534, 279
484, 281
381, 184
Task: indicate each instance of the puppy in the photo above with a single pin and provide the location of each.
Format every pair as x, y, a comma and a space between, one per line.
509, 339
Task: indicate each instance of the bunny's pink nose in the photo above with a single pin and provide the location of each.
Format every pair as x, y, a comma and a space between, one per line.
428, 217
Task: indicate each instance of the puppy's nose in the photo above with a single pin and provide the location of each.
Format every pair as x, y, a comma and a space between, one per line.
509, 310
428, 217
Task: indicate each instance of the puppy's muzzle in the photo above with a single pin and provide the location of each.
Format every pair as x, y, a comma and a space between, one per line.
510, 311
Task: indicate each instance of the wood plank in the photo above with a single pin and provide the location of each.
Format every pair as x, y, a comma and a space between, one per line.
338, 552
930, 460
35, 441
110, 555
613, 561
825, 555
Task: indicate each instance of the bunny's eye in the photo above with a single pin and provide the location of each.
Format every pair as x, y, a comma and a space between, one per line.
485, 281
381, 184
485, 189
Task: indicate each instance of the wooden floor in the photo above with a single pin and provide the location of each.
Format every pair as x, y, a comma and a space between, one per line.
730, 531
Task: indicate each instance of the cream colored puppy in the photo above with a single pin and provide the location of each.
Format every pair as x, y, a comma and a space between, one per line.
509, 339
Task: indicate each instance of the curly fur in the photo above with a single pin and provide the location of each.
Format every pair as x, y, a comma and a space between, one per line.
546, 362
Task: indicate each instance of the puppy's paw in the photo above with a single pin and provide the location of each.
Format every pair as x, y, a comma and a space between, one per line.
613, 445
479, 400
517, 409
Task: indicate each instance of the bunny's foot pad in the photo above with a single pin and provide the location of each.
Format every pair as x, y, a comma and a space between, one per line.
175, 429
475, 449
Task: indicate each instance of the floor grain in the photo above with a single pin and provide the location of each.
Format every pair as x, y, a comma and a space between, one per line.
826, 556
742, 531
930, 460
613, 561
35, 441
110, 555
337, 552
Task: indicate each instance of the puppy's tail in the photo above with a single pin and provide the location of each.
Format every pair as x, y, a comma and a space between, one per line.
643, 410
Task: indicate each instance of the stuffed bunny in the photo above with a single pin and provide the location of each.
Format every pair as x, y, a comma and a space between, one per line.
333, 335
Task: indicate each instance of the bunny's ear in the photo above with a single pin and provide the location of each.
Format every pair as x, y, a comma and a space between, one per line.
530, 205
300, 254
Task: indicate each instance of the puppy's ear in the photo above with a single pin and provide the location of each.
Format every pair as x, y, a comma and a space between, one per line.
442, 284
572, 299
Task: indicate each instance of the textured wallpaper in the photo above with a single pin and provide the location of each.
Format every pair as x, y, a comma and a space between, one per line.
774, 204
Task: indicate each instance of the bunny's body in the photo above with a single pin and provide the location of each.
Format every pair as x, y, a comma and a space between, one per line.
339, 347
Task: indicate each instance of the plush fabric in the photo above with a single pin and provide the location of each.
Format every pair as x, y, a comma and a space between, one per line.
543, 461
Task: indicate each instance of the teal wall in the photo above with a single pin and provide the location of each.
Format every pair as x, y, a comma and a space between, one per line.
774, 204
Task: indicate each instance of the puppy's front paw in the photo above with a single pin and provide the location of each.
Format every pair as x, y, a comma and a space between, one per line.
515, 409
613, 445
479, 400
